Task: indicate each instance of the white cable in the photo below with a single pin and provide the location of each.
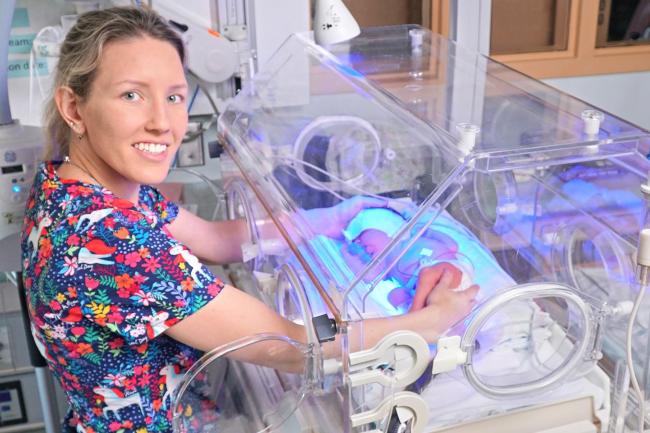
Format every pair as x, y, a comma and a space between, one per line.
630, 362
643, 266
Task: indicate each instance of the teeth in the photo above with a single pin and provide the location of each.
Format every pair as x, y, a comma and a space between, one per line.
151, 147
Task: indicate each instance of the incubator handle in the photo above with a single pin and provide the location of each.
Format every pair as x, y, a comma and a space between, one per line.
412, 409
405, 352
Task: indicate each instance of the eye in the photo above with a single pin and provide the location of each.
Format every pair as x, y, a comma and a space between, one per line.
130, 96
176, 98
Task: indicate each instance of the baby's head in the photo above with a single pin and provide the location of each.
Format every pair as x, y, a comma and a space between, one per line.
373, 228
367, 234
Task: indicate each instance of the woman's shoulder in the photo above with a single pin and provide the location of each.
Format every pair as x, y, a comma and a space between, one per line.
81, 205
152, 200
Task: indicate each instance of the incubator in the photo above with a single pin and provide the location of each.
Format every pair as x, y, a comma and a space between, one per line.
532, 194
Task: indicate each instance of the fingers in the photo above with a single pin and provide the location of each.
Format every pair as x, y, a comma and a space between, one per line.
471, 292
469, 296
448, 280
440, 277
427, 281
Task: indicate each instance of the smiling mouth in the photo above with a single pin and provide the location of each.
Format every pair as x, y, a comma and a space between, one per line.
153, 148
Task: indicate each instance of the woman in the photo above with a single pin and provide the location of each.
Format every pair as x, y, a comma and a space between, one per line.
114, 294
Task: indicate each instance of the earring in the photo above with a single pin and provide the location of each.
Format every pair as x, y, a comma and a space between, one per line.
71, 123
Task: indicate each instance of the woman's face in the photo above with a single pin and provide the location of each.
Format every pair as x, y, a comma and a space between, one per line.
135, 115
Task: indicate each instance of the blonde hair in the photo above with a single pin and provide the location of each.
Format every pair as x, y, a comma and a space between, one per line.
81, 53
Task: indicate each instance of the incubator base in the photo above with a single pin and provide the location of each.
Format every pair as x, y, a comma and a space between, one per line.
582, 405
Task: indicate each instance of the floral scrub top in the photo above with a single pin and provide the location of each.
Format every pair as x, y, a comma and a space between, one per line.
104, 280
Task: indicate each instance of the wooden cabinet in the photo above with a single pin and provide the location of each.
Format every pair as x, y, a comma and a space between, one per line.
562, 38
370, 13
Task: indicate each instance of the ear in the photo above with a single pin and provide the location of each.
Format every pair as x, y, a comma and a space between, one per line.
68, 103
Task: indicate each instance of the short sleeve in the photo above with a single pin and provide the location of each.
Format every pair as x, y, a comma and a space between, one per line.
154, 200
138, 280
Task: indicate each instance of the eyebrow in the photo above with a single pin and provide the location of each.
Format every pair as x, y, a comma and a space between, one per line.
145, 84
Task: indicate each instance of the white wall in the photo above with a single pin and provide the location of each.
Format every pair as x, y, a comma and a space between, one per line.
625, 95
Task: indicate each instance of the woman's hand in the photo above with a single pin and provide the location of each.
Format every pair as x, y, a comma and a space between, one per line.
433, 279
436, 305
331, 221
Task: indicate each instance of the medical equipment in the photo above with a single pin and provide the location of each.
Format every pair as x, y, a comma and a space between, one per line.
29, 378
531, 185
20, 147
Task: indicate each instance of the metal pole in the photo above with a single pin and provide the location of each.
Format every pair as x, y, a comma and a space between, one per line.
6, 16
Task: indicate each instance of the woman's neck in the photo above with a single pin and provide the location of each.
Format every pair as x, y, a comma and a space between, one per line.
95, 171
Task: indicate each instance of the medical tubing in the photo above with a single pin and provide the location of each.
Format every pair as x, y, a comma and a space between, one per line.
619, 398
630, 362
643, 278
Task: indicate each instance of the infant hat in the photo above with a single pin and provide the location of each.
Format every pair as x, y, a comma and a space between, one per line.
385, 220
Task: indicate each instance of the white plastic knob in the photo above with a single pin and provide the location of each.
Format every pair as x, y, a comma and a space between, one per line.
417, 39
592, 120
643, 253
468, 133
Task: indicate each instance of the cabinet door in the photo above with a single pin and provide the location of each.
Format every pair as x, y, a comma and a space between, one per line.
533, 26
623, 22
370, 13
562, 38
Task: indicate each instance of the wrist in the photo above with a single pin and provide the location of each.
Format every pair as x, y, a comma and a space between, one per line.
428, 322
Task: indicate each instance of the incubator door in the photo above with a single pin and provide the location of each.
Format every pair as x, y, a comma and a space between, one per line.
223, 392
528, 339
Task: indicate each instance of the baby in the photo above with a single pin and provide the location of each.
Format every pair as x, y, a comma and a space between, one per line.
368, 234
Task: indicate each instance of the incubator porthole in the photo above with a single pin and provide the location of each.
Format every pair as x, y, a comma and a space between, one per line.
486, 197
287, 301
527, 340
240, 206
332, 152
488, 201
213, 396
590, 258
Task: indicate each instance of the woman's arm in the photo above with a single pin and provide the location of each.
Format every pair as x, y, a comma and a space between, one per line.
220, 241
213, 241
234, 314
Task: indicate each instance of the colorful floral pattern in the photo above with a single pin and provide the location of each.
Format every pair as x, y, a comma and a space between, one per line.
104, 280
